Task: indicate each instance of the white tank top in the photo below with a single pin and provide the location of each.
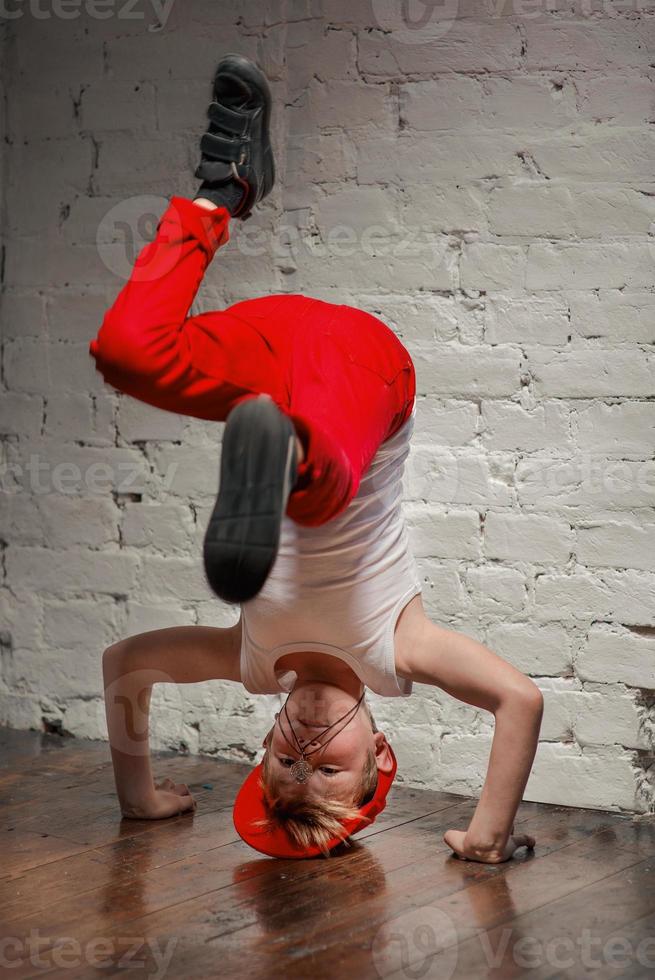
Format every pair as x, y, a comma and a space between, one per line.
340, 587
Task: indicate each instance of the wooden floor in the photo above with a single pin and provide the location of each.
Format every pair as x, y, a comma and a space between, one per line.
84, 894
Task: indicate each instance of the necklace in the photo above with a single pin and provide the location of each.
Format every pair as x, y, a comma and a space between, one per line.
301, 770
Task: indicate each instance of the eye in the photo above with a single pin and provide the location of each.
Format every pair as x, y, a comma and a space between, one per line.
286, 761
329, 771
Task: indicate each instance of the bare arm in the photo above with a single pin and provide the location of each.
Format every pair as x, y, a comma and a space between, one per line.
469, 671
177, 655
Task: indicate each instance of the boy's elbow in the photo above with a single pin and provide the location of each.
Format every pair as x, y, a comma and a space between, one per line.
526, 696
532, 697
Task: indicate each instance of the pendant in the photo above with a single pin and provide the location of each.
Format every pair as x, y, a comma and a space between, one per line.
301, 771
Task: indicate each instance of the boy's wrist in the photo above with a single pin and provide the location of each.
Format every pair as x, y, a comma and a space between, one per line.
488, 845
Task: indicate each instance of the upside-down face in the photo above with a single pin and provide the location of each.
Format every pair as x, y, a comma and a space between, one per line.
339, 766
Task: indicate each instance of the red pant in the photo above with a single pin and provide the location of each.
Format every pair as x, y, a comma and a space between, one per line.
341, 375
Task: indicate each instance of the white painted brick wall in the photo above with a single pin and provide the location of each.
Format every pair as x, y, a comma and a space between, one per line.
485, 184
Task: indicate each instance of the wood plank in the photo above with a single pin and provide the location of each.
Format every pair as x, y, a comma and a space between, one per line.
189, 888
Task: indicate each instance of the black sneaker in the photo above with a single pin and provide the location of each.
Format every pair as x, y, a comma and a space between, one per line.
259, 466
237, 166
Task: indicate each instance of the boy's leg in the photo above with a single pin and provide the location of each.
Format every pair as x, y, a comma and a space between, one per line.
352, 386
149, 348
342, 401
330, 368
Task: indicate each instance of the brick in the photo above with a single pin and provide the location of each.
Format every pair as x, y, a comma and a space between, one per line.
619, 544
530, 537
70, 625
497, 591
445, 44
21, 414
36, 206
623, 316
61, 674
74, 570
19, 711
137, 422
324, 101
535, 649
27, 364
312, 51
615, 430
584, 485
23, 314
111, 105
314, 159
617, 596
373, 262
21, 616
69, 519
415, 318
175, 578
626, 97
619, 43
68, 416
166, 528
445, 422
492, 267
616, 654
443, 476
606, 718
443, 594
185, 471
38, 53
542, 320
604, 155
72, 313
21, 519
599, 777
450, 156
44, 112
561, 211
61, 262
443, 103
434, 534
69, 468
506, 425
583, 266
448, 209
154, 164
591, 373
363, 211
85, 717
466, 371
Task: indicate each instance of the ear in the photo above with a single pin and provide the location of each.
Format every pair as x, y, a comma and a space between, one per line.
267, 738
382, 752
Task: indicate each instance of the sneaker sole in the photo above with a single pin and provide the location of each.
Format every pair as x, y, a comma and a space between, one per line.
258, 470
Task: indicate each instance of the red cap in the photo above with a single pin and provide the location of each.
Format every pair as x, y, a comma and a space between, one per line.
249, 807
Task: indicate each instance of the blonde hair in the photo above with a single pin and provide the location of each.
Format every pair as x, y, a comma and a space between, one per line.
314, 821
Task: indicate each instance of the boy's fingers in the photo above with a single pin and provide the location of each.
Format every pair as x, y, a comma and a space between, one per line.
182, 789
